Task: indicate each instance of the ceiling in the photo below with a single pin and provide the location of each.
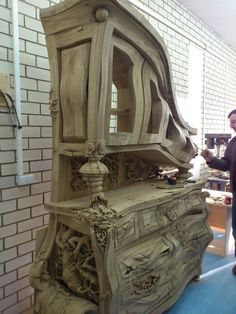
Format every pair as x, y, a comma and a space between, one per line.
218, 15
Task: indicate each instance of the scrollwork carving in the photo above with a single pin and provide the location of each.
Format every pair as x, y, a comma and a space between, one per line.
101, 218
143, 285
76, 263
77, 183
53, 104
137, 169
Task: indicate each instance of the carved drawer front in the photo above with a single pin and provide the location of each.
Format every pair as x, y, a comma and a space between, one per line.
143, 257
152, 219
148, 289
193, 201
126, 230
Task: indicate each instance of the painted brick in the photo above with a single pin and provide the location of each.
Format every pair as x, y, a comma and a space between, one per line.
6, 207
28, 83
34, 24
6, 302
4, 26
7, 157
27, 59
46, 131
9, 169
8, 278
17, 239
16, 286
23, 271
36, 49
6, 231
30, 201
1, 293
39, 97
29, 131
16, 192
38, 211
40, 143
45, 109
40, 120
40, 165
30, 224
47, 175
24, 120
44, 86
43, 63
18, 262
27, 34
5, 14
36, 73
7, 182
41, 39
27, 9
1, 269
36, 177
32, 154
30, 108
23, 91
19, 307
8, 255
40, 188
16, 216
26, 247
24, 293
5, 67
4, 118
6, 39
47, 197
6, 131
47, 154
40, 4
3, 53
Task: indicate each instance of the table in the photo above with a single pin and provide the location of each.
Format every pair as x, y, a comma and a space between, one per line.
219, 220
215, 183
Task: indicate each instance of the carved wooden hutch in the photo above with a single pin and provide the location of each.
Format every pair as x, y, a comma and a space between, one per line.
119, 239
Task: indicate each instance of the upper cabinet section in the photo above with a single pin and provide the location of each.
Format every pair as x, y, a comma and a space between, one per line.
111, 81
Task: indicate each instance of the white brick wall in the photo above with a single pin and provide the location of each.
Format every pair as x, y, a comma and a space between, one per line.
21, 208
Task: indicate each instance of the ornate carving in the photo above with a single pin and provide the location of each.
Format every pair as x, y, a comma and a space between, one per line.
122, 170
101, 218
95, 149
53, 104
76, 263
138, 169
179, 230
145, 284
112, 162
101, 14
77, 183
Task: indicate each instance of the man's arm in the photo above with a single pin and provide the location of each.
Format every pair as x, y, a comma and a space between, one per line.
222, 164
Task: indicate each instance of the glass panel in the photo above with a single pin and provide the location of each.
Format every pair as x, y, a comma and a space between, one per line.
121, 105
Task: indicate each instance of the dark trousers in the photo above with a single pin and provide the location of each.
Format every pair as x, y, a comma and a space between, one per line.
234, 218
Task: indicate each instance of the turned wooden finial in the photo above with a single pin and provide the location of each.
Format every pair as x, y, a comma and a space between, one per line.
94, 170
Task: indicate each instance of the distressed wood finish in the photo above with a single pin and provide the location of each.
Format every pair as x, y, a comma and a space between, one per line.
120, 239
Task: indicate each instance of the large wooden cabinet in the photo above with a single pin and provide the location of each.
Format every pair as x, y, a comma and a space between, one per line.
120, 239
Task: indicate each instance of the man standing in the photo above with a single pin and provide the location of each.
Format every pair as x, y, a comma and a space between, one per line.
227, 163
